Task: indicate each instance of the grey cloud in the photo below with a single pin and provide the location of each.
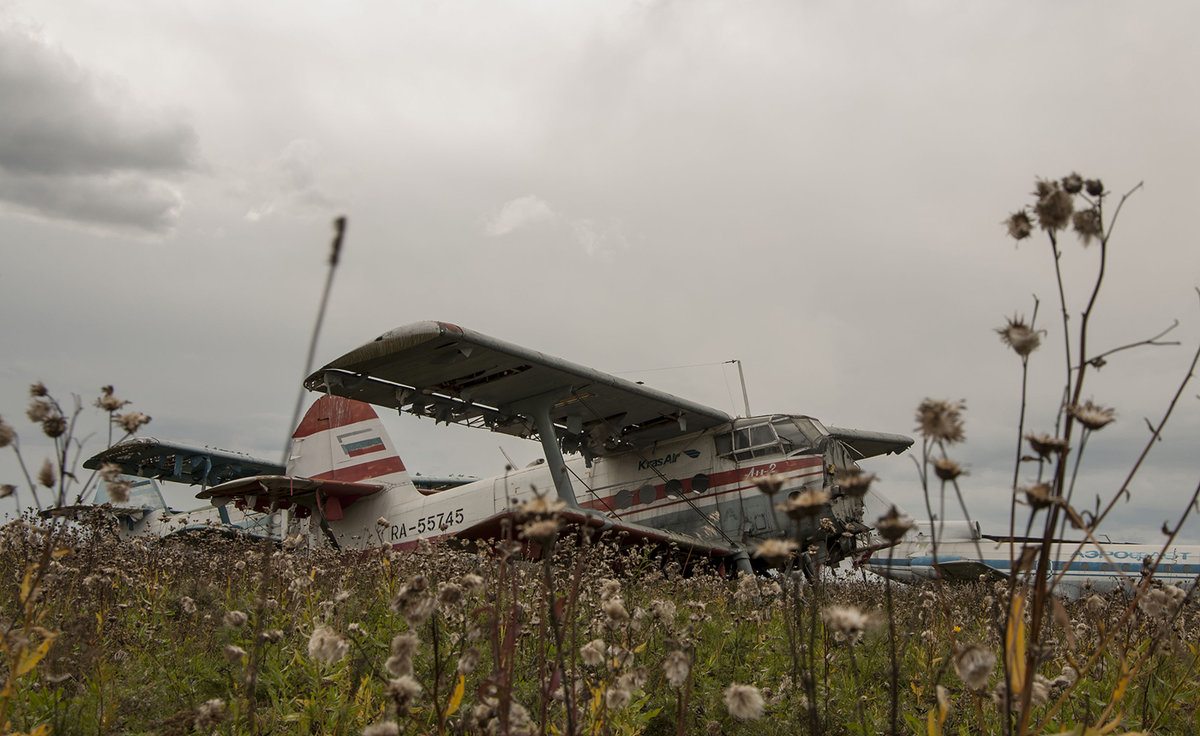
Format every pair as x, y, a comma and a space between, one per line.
118, 200
73, 146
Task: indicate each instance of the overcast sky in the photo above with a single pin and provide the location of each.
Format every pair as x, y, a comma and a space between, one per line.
816, 189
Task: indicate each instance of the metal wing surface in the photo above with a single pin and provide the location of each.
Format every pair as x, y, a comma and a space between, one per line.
147, 457
456, 375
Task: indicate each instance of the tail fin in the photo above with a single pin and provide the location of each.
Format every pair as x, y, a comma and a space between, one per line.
342, 439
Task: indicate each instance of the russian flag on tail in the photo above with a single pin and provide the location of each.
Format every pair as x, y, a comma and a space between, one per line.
355, 444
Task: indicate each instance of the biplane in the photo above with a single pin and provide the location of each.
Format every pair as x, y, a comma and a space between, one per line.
642, 462
618, 456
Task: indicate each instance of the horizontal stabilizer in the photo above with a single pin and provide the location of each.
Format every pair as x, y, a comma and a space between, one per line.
264, 492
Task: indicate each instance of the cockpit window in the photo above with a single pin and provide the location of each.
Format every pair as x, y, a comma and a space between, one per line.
751, 438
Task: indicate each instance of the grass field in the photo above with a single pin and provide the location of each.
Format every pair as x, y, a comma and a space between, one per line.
228, 636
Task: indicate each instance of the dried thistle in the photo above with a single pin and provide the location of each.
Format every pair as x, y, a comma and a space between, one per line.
107, 401
974, 664
676, 667
7, 490
54, 426
7, 434
1019, 336
1072, 183
1019, 225
1054, 206
775, 551
854, 482
804, 504
769, 484
118, 490
744, 702
892, 526
326, 645
947, 469
131, 421
234, 619
846, 621
1088, 225
38, 390
1094, 187
941, 420
1038, 496
47, 476
39, 410
1091, 415
541, 531
1046, 445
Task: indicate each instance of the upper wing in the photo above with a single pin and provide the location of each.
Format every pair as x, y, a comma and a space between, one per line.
866, 444
147, 457
457, 375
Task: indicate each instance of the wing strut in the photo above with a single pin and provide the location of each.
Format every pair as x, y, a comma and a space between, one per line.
538, 408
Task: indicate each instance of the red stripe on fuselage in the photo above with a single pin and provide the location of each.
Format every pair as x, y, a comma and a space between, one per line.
364, 471
715, 480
